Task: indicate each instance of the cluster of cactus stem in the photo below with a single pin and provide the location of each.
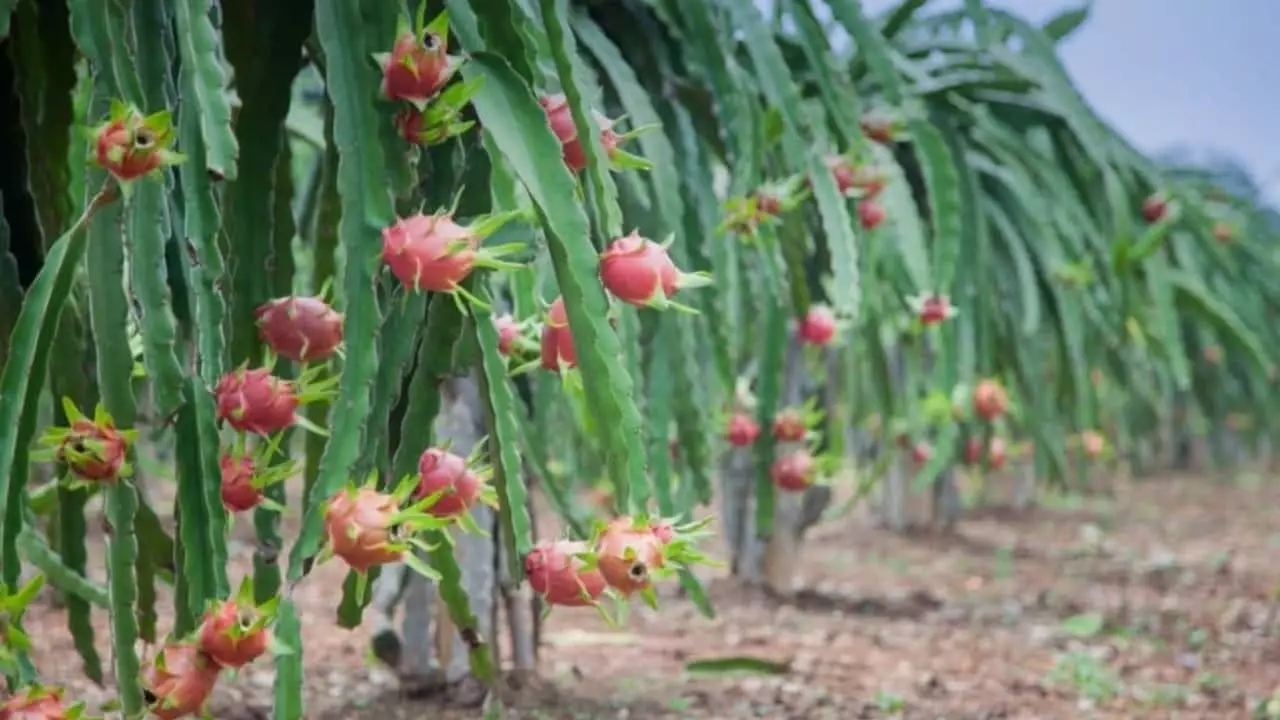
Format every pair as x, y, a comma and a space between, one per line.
233, 425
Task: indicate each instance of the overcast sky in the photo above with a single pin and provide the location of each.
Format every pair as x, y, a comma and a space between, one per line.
1202, 73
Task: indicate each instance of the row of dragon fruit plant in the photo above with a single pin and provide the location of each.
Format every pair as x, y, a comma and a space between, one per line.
164, 174
760, 247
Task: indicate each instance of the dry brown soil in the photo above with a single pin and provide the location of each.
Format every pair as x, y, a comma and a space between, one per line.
1157, 604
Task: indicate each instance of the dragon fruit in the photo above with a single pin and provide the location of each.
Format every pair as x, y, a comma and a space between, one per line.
794, 471
256, 401
234, 632
639, 272
130, 146
301, 329
557, 339
559, 577
178, 682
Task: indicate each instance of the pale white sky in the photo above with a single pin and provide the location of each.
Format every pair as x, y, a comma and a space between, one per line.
1200, 73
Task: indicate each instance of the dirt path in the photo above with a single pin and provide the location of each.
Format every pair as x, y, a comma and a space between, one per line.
1154, 605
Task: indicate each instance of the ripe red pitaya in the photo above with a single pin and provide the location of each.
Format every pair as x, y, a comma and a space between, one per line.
870, 214
639, 271
440, 471
768, 203
38, 703
559, 577
429, 252
879, 126
1155, 207
626, 553
841, 171
996, 453
789, 426
178, 682
234, 633
417, 67
921, 452
359, 526
557, 339
94, 451
560, 118
1094, 443
819, 326
508, 333
238, 491
973, 451
664, 531
742, 430
869, 180
989, 399
130, 145
794, 471
255, 401
932, 309
301, 329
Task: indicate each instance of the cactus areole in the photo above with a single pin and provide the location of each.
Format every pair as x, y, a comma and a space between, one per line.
301, 329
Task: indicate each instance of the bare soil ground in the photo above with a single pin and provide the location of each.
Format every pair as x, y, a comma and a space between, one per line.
1159, 603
